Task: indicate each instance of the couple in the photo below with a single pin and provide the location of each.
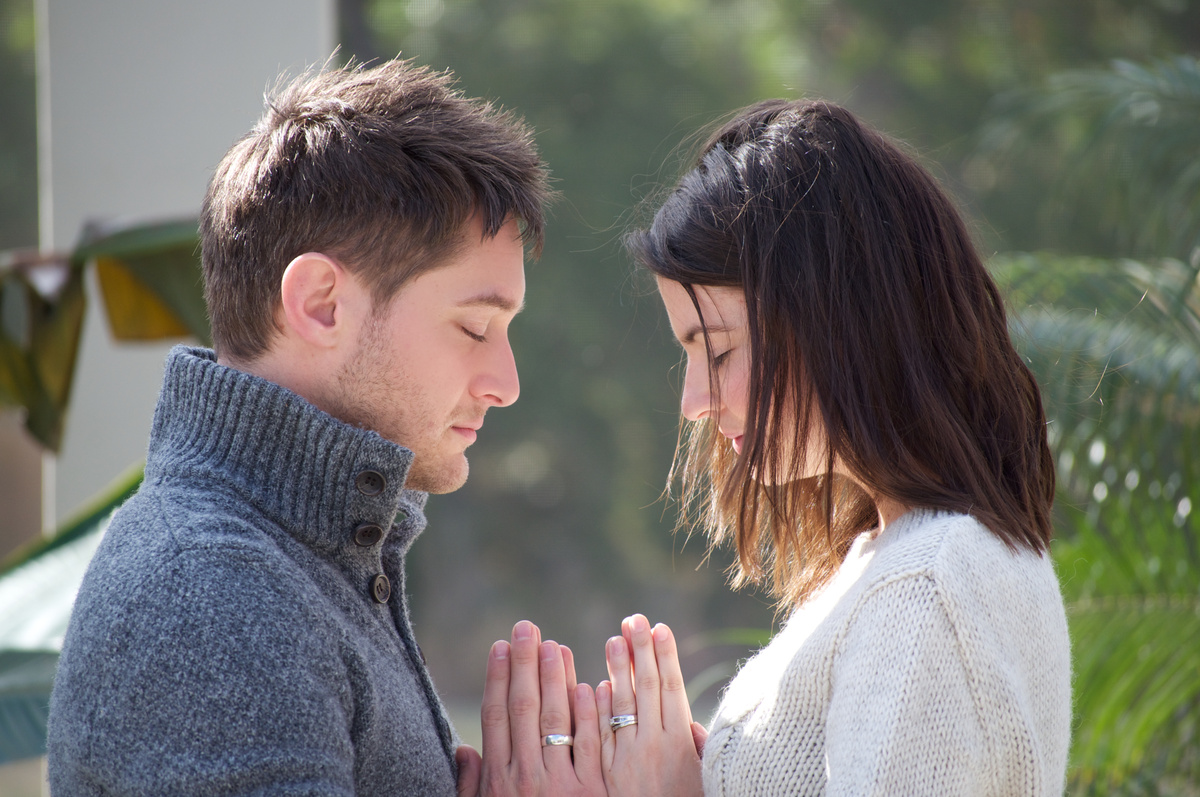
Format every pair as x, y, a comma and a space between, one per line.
860, 429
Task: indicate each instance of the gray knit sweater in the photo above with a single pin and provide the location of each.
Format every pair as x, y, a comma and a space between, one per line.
243, 628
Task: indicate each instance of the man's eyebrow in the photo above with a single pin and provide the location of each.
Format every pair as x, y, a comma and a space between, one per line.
690, 336
493, 300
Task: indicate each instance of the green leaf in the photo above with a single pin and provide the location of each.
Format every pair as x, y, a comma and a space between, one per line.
57, 328
37, 370
161, 260
134, 311
25, 681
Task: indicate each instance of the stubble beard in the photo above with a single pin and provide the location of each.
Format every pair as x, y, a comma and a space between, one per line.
397, 412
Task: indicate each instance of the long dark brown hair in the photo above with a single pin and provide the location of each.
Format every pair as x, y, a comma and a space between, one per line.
870, 310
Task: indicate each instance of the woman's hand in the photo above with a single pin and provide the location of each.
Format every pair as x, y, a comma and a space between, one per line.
530, 693
660, 754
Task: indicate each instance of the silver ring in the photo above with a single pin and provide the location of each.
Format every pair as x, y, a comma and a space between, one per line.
622, 721
556, 739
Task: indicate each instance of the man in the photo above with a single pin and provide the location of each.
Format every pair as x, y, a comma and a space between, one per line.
243, 626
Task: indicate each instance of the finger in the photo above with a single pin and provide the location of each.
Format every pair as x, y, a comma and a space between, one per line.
646, 682
470, 766
524, 697
493, 716
676, 711
699, 736
586, 753
569, 666
616, 652
608, 742
556, 710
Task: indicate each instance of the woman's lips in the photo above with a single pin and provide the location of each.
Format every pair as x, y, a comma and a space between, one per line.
737, 444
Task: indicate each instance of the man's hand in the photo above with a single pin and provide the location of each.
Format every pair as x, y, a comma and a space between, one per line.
530, 693
470, 766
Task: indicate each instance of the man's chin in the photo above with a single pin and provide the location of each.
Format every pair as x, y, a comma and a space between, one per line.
438, 481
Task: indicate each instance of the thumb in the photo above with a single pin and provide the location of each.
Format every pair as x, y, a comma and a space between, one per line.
470, 765
699, 736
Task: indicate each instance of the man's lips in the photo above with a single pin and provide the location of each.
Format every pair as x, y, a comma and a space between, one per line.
468, 430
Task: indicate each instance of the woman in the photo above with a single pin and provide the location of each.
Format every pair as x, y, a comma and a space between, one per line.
863, 432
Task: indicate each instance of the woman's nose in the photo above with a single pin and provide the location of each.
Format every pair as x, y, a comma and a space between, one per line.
696, 402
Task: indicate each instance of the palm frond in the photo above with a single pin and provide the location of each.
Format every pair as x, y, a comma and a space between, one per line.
1116, 348
1134, 610
1123, 142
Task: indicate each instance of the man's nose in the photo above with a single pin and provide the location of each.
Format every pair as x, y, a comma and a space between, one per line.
498, 383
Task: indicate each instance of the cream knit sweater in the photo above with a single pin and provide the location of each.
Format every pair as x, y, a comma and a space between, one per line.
936, 662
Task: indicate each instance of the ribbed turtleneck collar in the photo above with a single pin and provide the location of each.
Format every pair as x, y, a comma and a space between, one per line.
304, 468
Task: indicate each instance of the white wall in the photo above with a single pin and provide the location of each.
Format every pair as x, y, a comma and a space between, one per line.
138, 101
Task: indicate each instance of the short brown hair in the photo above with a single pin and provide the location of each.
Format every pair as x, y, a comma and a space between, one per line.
869, 308
380, 168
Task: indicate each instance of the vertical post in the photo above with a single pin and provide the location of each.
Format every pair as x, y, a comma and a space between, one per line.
138, 100
41, 12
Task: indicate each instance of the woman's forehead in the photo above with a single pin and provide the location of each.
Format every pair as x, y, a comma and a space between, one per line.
721, 309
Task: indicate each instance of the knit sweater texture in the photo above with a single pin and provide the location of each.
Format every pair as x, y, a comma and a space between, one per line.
229, 637
935, 662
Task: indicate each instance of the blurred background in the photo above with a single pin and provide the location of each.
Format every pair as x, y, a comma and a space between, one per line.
1069, 131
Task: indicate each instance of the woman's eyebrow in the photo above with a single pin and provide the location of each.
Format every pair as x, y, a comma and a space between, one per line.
690, 336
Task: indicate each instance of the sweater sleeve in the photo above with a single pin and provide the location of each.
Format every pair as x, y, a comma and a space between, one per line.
210, 677
902, 715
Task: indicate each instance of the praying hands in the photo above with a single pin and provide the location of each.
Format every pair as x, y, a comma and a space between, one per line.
544, 734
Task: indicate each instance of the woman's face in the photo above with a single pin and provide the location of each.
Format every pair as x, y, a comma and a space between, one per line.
724, 315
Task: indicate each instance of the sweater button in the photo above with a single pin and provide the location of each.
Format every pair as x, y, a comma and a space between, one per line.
370, 482
367, 535
381, 588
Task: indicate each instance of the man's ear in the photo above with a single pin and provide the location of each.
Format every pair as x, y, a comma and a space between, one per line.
317, 298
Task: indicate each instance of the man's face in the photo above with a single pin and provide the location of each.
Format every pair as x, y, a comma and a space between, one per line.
432, 360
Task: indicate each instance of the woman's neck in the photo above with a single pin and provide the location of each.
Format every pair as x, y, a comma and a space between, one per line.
889, 510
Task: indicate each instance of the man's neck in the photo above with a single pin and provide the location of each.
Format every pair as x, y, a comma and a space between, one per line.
298, 373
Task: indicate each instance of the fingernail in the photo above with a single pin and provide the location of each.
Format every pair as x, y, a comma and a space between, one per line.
500, 650
640, 623
549, 651
616, 646
523, 630
661, 632
583, 692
